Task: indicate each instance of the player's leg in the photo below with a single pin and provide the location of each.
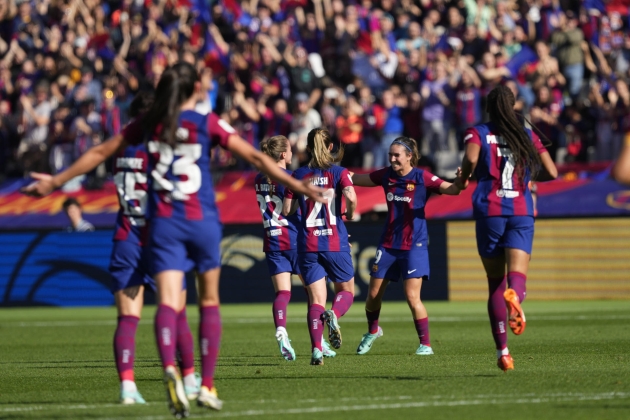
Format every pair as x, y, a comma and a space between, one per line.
282, 286
209, 336
129, 302
519, 238
490, 240
340, 271
186, 354
373, 303
314, 277
412, 288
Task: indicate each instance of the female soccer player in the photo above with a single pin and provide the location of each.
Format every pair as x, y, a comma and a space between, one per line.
323, 249
129, 270
504, 156
402, 251
184, 218
280, 240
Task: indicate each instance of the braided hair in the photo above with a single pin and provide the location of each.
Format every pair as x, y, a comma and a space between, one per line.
500, 106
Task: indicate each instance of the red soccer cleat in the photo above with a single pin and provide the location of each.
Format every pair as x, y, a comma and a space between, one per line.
505, 363
516, 318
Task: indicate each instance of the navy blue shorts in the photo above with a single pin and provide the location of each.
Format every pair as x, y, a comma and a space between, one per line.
282, 262
174, 243
128, 267
337, 266
396, 264
496, 233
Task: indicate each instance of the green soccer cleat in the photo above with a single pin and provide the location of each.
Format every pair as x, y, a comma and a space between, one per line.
367, 341
209, 398
175, 395
424, 350
334, 330
317, 358
285, 346
192, 392
327, 350
131, 398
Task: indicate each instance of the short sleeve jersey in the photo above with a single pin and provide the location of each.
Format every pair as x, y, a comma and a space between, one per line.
406, 196
181, 183
130, 178
499, 191
322, 228
280, 231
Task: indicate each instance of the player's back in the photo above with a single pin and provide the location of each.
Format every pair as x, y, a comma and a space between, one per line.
131, 180
182, 183
280, 231
499, 191
322, 227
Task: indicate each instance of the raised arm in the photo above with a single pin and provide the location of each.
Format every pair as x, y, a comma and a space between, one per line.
45, 184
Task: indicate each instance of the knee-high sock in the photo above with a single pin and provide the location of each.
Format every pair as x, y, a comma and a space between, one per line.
280, 304
185, 345
125, 346
516, 281
315, 325
166, 334
209, 341
422, 328
372, 320
343, 302
497, 311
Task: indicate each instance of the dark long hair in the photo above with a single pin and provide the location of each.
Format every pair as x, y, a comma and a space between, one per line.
500, 106
175, 87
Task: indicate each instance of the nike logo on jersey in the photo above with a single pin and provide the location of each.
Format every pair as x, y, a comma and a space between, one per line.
411, 271
391, 183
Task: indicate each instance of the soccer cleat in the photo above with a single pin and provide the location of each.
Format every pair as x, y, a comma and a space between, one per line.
505, 363
193, 392
131, 397
209, 398
285, 346
516, 318
424, 350
177, 401
368, 339
317, 358
328, 352
334, 330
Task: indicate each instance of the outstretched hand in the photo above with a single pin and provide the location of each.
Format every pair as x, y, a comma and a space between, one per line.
311, 191
461, 184
42, 186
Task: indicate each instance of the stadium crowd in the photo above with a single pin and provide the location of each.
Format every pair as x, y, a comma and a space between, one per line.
368, 71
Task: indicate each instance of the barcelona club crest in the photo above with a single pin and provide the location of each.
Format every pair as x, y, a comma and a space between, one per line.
410, 187
374, 268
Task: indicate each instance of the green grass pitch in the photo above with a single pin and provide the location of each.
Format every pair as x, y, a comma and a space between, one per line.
572, 362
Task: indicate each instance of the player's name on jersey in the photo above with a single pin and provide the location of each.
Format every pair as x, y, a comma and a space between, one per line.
129, 163
319, 180
265, 188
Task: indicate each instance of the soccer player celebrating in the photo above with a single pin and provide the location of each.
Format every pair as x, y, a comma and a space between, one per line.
504, 156
183, 214
402, 251
280, 240
323, 248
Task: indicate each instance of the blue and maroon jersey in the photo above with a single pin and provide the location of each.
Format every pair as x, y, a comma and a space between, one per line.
406, 198
499, 192
130, 177
180, 176
280, 232
468, 105
321, 228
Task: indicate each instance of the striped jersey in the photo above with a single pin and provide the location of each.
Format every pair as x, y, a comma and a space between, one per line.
406, 196
322, 228
181, 183
498, 191
130, 178
280, 231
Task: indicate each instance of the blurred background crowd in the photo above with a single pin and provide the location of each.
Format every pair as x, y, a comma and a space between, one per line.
369, 71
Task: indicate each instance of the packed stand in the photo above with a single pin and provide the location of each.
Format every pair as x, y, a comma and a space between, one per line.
368, 71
